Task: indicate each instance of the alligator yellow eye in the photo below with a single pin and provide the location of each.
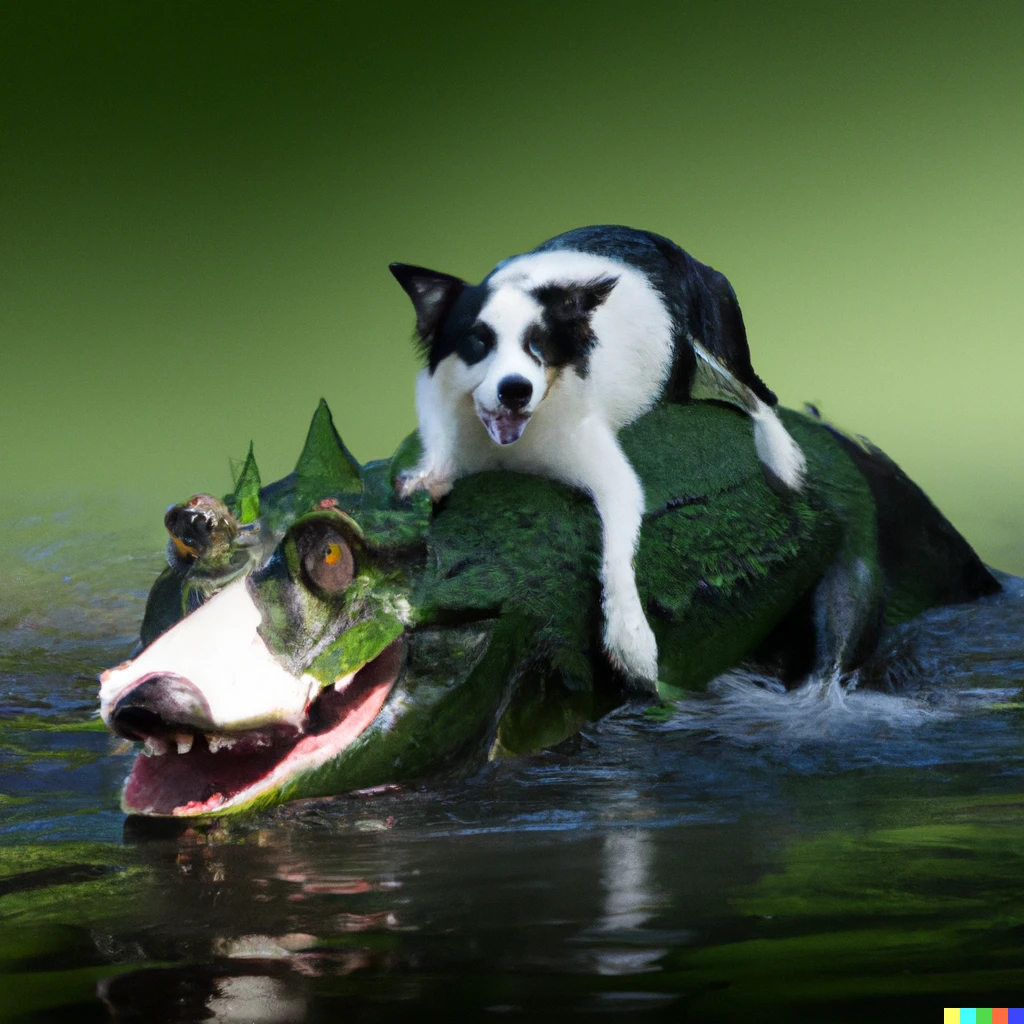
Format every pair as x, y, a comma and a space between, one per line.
327, 560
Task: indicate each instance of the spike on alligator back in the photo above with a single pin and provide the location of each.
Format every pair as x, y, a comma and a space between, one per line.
244, 500
325, 462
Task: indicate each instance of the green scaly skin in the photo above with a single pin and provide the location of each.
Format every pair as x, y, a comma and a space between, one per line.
496, 589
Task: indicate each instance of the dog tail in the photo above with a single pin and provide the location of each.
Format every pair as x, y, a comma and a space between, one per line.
782, 458
780, 455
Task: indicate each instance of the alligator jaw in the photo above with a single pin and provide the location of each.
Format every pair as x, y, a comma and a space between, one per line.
201, 773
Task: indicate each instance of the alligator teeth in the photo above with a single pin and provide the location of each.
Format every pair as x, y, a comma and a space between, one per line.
155, 746
184, 741
343, 681
215, 742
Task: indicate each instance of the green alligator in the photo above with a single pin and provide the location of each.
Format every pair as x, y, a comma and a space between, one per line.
319, 635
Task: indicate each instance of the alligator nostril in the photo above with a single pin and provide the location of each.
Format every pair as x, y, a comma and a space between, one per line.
137, 723
514, 392
158, 705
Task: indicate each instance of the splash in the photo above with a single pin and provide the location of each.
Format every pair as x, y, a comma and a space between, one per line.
746, 707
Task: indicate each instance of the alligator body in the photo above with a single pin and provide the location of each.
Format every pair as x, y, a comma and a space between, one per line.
319, 635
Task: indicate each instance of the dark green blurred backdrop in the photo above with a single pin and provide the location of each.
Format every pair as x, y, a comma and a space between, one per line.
198, 203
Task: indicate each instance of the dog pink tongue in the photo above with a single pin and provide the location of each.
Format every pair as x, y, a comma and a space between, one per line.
505, 427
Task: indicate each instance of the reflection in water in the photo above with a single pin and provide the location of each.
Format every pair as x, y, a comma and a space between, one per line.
626, 878
255, 999
248, 946
629, 903
252, 994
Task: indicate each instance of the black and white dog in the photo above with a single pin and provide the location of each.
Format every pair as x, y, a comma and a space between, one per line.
538, 367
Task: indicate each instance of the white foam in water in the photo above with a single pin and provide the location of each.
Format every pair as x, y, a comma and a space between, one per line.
746, 707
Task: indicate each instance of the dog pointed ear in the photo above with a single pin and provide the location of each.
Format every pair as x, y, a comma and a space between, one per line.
715, 320
574, 301
432, 294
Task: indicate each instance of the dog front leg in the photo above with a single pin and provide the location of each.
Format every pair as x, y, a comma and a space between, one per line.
430, 475
438, 468
619, 497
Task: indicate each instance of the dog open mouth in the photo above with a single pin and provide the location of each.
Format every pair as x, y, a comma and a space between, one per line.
505, 427
184, 771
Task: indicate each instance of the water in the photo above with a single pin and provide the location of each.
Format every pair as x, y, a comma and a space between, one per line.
828, 855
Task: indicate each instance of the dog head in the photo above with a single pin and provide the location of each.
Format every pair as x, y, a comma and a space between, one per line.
510, 343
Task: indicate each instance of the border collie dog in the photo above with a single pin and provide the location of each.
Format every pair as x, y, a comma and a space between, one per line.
539, 366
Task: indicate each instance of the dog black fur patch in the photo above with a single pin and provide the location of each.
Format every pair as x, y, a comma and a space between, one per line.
564, 337
433, 296
699, 300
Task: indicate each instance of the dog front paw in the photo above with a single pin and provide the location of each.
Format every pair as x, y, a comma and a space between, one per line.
630, 645
413, 480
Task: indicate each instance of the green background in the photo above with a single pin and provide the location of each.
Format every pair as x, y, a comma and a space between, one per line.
198, 203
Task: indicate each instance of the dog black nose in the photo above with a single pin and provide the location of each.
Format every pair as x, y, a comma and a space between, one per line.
514, 392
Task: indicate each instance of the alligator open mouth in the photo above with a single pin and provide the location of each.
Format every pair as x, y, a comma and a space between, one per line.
186, 772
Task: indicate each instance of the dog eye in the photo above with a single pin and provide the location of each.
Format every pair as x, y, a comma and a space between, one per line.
534, 342
327, 560
479, 341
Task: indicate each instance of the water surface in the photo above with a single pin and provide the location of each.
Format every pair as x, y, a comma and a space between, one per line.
828, 855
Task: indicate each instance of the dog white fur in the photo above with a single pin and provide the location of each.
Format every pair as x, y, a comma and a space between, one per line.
566, 429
